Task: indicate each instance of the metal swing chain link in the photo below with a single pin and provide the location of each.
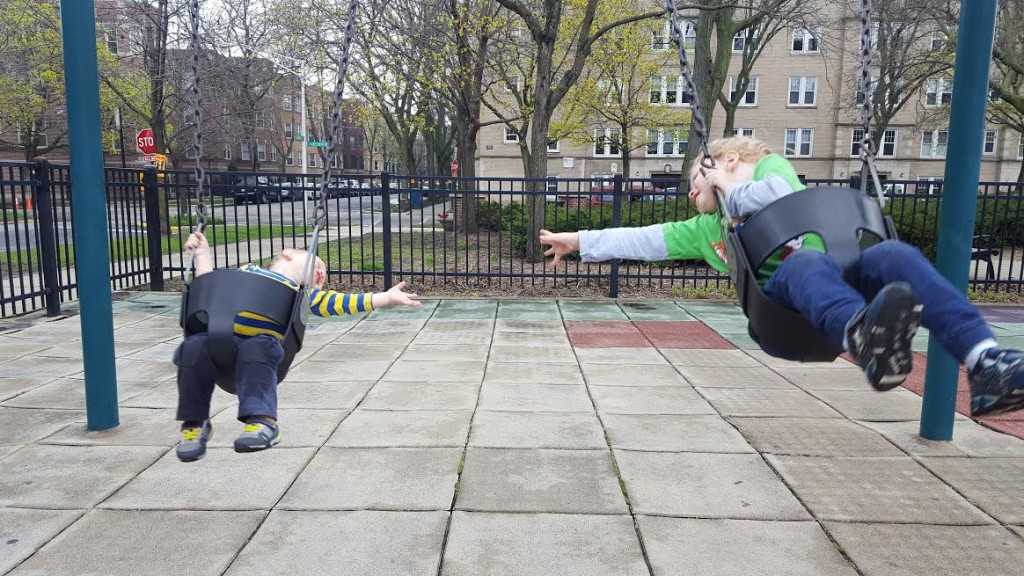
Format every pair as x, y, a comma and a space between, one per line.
319, 217
868, 149
197, 115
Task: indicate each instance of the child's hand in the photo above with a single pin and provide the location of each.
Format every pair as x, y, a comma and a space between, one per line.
561, 243
719, 179
397, 296
197, 243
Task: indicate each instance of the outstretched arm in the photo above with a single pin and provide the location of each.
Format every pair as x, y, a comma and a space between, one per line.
396, 296
202, 262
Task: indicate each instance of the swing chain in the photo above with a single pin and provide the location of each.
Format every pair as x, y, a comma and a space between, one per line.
868, 150
197, 115
699, 125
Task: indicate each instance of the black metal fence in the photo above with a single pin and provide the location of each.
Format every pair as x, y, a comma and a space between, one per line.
442, 235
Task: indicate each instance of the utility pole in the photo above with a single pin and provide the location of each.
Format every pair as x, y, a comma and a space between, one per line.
120, 133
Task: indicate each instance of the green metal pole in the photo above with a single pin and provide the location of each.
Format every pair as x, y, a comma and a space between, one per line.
959, 198
88, 198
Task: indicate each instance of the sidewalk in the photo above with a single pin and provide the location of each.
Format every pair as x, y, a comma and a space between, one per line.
513, 437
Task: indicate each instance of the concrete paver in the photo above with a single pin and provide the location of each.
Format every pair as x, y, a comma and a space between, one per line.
478, 436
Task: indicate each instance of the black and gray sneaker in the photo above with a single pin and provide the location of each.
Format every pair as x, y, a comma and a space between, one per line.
194, 436
997, 382
257, 435
879, 336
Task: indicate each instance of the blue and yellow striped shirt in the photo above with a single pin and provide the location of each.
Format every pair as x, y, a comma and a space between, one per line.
321, 303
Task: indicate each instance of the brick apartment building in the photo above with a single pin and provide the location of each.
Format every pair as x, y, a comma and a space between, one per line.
801, 101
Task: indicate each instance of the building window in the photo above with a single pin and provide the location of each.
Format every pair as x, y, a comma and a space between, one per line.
512, 84
855, 140
190, 151
112, 41
747, 132
740, 40
805, 40
666, 142
273, 154
1020, 148
312, 160
749, 96
334, 161
606, 142
289, 159
990, 142
511, 136
227, 152
799, 142
261, 150
938, 40
668, 90
553, 145
888, 143
933, 143
287, 102
803, 90
288, 131
661, 38
937, 92
246, 153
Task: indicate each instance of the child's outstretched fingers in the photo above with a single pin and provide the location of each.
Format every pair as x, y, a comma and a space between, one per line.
398, 295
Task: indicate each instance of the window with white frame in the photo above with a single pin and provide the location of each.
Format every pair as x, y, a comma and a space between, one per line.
933, 143
661, 38
289, 159
855, 139
938, 39
553, 145
888, 148
803, 90
190, 151
990, 142
511, 136
260, 120
512, 84
246, 153
261, 150
937, 92
606, 141
334, 161
667, 141
1020, 148
805, 40
612, 89
111, 38
311, 161
747, 132
288, 131
286, 103
227, 152
749, 95
668, 90
551, 184
743, 37
273, 154
799, 142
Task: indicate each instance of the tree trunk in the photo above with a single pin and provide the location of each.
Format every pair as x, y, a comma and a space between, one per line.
467, 152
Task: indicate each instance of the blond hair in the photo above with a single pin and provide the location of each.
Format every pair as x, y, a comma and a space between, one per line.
292, 263
749, 149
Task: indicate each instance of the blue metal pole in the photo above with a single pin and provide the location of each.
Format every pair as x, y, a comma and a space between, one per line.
88, 198
959, 198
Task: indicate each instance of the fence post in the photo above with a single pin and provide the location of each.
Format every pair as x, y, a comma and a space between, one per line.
385, 208
616, 221
42, 192
154, 243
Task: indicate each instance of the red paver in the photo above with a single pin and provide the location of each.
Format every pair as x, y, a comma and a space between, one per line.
685, 335
605, 334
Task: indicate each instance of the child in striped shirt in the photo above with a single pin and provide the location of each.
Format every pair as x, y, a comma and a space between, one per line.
258, 352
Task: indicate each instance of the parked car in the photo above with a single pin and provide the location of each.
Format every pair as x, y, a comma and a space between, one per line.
339, 188
252, 189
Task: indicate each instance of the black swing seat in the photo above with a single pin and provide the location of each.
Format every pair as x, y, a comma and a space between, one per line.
211, 302
847, 220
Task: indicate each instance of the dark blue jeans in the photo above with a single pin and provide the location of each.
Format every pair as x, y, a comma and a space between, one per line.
256, 362
813, 284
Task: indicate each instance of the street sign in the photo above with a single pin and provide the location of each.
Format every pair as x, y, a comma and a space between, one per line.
317, 144
145, 141
160, 161
455, 167
149, 158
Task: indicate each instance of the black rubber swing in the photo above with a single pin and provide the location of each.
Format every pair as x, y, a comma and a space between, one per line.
211, 301
846, 219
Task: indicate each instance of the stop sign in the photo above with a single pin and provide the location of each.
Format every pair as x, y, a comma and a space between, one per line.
455, 167
147, 145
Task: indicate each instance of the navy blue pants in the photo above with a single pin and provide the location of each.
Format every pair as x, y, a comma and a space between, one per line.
256, 362
813, 284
